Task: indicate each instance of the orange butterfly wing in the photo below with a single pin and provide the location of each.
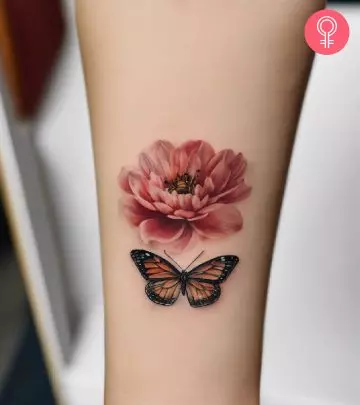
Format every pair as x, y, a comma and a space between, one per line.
203, 281
164, 292
164, 279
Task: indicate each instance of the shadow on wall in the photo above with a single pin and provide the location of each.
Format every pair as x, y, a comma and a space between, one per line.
23, 376
27, 383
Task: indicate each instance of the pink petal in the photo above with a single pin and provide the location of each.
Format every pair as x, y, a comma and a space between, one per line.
145, 203
185, 240
222, 222
181, 202
208, 186
194, 165
237, 193
174, 164
197, 217
160, 150
171, 199
199, 191
202, 149
161, 229
146, 164
123, 180
184, 214
210, 208
136, 183
158, 156
197, 204
220, 176
134, 212
183, 161
225, 155
163, 208
174, 217
204, 201
138, 187
154, 192
156, 180
195, 201
185, 201
238, 168
238, 165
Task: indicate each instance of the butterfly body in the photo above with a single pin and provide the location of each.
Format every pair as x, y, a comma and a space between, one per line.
201, 285
183, 281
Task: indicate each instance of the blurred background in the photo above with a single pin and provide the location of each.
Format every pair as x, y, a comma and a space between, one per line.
51, 317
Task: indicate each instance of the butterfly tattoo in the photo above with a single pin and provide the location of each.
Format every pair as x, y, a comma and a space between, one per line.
165, 281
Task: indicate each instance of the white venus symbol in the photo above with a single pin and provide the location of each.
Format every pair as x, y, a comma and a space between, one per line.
327, 27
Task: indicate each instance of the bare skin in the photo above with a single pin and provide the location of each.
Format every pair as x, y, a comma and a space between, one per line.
231, 73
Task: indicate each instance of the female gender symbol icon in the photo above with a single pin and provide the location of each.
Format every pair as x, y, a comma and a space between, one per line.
327, 32
327, 27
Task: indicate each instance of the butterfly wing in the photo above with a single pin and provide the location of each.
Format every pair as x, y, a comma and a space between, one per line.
164, 292
201, 294
202, 287
164, 279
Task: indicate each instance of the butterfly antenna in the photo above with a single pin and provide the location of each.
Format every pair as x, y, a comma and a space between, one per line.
172, 259
195, 259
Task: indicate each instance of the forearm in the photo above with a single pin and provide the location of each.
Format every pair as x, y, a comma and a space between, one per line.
231, 74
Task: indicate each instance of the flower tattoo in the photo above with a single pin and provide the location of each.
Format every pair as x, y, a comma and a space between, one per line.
177, 196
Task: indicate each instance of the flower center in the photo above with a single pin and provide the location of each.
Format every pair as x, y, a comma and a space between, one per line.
182, 184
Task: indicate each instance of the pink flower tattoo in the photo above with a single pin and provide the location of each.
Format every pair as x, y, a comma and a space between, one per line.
177, 196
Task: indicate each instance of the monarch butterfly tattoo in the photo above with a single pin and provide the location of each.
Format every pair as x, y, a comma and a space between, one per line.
165, 281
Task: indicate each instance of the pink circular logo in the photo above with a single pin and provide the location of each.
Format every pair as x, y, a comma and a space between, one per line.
327, 32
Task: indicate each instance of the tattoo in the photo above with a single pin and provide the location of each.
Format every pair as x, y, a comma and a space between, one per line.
165, 281
177, 196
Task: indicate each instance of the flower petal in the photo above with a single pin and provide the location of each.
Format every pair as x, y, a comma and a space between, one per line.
188, 237
219, 223
134, 212
123, 180
225, 155
139, 188
204, 201
174, 164
183, 161
171, 199
202, 149
210, 208
238, 168
184, 214
160, 150
235, 194
156, 180
197, 217
161, 229
185, 201
154, 192
146, 164
197, 204
220, 176
194, 165
238, 165
157, 158
145, 203
195, 201
199, 191
163, 208
208, 186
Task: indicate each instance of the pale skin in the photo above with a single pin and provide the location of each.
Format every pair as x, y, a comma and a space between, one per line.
232, 73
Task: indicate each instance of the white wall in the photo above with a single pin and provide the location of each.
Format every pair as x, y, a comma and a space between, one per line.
313, 328
64, 145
